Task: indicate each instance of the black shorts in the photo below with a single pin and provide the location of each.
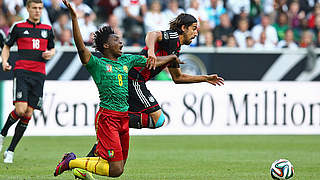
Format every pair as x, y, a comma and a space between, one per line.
28, 87
140, 98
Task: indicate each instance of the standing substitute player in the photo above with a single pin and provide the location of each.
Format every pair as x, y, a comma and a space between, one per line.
110, 73
35, 43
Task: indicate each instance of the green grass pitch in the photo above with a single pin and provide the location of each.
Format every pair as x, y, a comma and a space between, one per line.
175, 157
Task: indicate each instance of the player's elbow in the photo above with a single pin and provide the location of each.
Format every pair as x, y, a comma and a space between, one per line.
177, 80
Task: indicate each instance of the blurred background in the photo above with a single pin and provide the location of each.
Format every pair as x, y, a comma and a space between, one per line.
234, 35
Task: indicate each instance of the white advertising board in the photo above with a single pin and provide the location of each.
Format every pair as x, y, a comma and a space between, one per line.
241, 107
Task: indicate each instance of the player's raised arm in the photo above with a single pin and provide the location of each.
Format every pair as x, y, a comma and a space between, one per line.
180, 78
151, 39
84, 53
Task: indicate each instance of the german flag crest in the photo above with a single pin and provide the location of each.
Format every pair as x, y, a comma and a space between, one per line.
111, 153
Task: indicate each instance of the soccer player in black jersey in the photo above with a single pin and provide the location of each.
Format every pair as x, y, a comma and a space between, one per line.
145, 111
35, 43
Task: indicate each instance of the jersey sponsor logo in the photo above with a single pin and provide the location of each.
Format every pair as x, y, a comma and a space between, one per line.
44, 33
26, 32
165, 35
125, 68
109, 68
111, 153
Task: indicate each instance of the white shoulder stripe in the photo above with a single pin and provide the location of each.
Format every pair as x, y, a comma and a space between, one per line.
15, 24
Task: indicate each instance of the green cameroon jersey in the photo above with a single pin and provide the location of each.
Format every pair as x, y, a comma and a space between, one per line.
111, 78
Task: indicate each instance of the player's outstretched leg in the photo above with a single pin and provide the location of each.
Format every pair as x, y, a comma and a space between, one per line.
64, 164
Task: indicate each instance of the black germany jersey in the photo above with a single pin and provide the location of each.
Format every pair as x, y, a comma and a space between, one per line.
32, 40
169, 44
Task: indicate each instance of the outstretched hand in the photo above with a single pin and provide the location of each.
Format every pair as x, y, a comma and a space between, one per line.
215, 80
70, 8
151, 61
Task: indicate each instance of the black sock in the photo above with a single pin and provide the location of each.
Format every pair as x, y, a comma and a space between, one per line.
135, 121
91, 153
10, 121
19, 131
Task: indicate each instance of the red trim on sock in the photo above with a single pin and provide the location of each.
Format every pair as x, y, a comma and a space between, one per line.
25, 120
14, 115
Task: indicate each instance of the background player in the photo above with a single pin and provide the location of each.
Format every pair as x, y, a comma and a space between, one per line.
110, 73
35, 43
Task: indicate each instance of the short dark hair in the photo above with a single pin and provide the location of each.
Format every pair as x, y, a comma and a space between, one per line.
182, 19
33, 1
101, 36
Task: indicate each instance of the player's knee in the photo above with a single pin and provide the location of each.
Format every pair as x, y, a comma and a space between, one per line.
116, 171
21, 111
29, 112
160, 121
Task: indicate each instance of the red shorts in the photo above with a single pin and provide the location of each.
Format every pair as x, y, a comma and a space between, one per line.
112, 128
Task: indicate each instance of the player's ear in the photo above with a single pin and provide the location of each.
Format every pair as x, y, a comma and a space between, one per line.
106, 45
183, 28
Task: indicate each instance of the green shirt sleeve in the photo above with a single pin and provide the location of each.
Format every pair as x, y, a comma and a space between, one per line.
137, 60
94, 67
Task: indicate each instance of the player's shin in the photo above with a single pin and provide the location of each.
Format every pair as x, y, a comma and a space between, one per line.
95, 165
19, 131
12, 118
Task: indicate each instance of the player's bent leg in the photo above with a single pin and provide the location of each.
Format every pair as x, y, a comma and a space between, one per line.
143, 120
64, 163
158, 118
82, 174
116, 168
98, 165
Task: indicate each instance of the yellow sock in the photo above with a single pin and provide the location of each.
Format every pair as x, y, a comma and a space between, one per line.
95, 165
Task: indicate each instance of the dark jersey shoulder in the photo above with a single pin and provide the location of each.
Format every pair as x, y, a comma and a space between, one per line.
2, 38
169, 44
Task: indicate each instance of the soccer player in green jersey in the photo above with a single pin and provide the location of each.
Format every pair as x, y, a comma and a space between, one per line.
110, 73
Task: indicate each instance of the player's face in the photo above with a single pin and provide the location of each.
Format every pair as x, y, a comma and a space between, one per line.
115, 45
190, 33
35, 11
